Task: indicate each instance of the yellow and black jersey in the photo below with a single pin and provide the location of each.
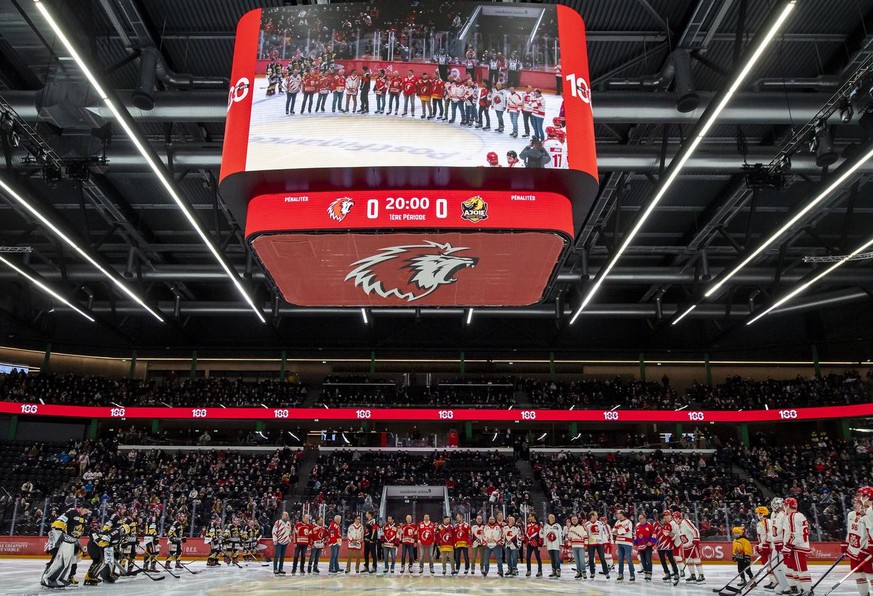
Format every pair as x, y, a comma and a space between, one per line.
175, 533
70, 523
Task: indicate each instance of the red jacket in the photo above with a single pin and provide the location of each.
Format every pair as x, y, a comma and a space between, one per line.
407, 533
426, 533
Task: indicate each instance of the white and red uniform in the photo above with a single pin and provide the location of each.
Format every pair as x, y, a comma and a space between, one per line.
352, 85
538, 105
355, 536
623, 530
596, 533
689, 541
796, 548
492, 535
557, 154
858, 547
512, 537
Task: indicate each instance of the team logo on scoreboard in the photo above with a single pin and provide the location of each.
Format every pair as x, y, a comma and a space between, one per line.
474, 209
340, 208
410, 272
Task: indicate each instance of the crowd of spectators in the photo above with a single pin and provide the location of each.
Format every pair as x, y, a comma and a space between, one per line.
159, 483
92, 390
701, 486
353, 480
738, 393
821, 472
339, 391
607, 393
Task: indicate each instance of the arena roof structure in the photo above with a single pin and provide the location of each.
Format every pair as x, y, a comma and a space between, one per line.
795, 127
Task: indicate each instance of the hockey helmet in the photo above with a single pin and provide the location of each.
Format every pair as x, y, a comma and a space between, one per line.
677, 515
866, 493
762, 510
776, 503
492, 157
551, 132
738, 531
666, 513
512, 154
790, 502
558, 121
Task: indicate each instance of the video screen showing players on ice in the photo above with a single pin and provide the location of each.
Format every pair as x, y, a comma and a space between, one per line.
439, 84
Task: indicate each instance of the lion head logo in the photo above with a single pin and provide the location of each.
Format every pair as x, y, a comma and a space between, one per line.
474, 209
432, 265
340, 208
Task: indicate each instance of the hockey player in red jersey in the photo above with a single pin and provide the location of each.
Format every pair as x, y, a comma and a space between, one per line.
426, 536
390, 540
462, 543
302, 530
408, 532
668, 537
410, 83
445, 541
533, 538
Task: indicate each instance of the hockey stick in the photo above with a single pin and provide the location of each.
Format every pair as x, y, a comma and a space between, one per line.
257, 559
849, 574
148, 574
167, 569
185, 567
832, 567
728, 586
753, 583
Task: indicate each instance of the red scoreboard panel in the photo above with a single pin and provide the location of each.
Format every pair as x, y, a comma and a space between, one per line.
381, 210
448, 247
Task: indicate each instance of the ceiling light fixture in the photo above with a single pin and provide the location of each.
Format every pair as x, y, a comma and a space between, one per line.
21, 200
44, 288
678, 163
123, 119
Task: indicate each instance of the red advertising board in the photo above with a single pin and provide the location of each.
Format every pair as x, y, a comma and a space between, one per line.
426, 414
195, 548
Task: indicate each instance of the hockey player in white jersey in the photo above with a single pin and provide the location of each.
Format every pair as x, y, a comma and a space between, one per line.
857, 546
796, 548
689, 538
556, 147
777, 522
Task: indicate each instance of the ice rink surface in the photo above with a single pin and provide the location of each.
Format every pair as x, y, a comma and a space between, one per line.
21, 576
319, 140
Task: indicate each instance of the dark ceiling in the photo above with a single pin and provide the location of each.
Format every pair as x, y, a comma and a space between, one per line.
705, 224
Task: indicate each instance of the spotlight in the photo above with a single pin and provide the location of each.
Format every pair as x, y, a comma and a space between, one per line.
824, 146
846, 113
52, 174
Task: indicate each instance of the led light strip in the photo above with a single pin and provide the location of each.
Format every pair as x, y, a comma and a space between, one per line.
122, 119
788, 225
807, 284
69, 242
44, 288
687, 151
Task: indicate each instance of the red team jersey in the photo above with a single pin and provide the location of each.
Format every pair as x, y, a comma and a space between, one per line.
338, 83
462, 535
426, 533
409, 85
301, 533
438, 89
317, 536
446, 536
391, 536
334, 534
532, 534
381, 85
423, 88
407, 533
395, 84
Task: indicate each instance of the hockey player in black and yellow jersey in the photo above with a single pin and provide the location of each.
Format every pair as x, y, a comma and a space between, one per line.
152, 544
742, 554
175, 538
101, 549
231, 542
63, 546
213, 539
128, 543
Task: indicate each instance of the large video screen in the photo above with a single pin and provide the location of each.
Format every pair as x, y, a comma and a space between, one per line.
432, 84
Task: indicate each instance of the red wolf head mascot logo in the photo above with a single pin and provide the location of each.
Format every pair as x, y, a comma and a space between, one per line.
431, 266
340, 208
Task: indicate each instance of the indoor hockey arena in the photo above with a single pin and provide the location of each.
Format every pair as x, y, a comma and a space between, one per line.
436, 297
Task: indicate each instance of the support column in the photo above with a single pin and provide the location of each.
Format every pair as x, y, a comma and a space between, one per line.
373, 362
815, 364
552, 364
131, 373
92, 429
744, 434
283, 365
642, 367
845, 430
156, 426
259, 425
708, 370
574, 429
468, 430
47, 358
12, 428
193, 372
679, 429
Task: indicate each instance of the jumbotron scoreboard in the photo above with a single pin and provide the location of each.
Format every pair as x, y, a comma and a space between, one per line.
349, 201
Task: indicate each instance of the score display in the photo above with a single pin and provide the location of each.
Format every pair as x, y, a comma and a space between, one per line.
444, 414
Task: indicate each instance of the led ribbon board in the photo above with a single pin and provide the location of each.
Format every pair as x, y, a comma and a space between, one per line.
405, 414
378, 209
